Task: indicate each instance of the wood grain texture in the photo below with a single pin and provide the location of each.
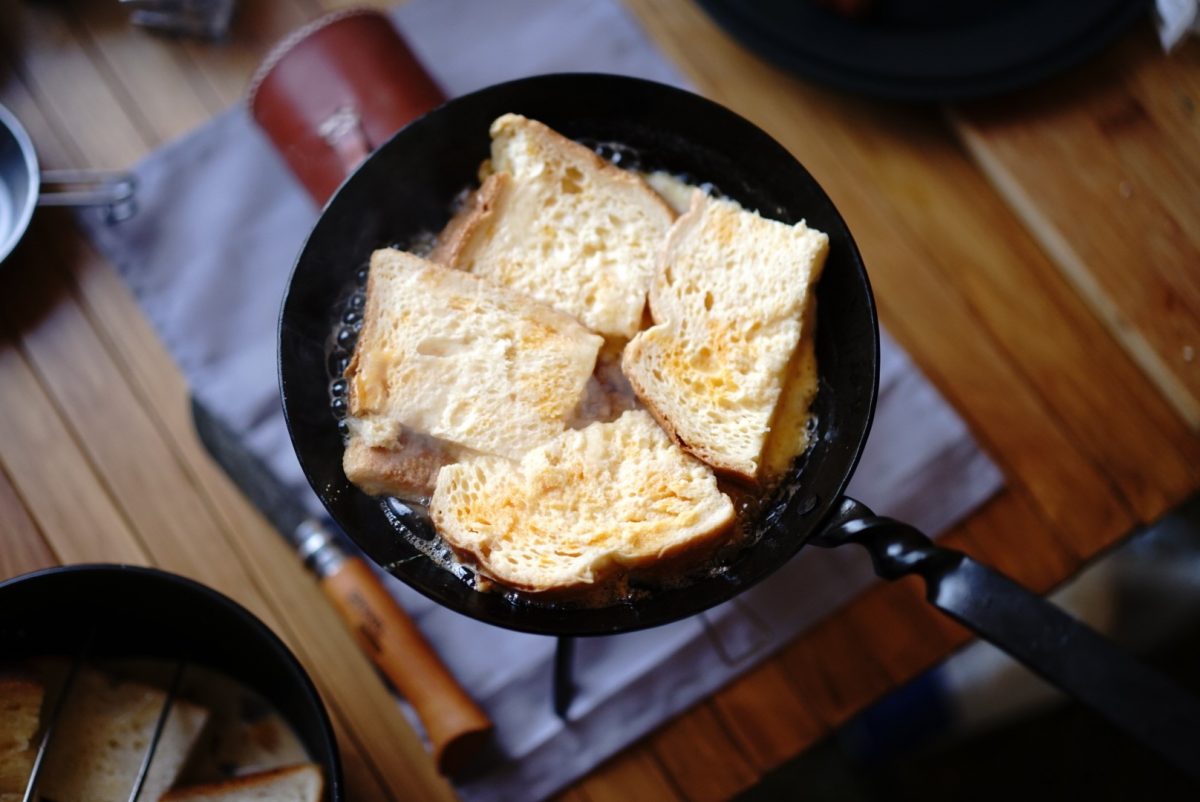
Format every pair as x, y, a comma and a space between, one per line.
903, 632
994, 536
22, 547
1036, 257
172, 527
1056, 345
574, 794
1004, 412
834, 671
55, 66
347, 679
225, 67
633, 774
767, 717
386, 725
150, 74
120, 440
1124, 231
703, 761
57, 483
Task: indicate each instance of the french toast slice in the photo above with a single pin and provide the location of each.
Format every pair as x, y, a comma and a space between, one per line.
728, 303
558, 223
581, 509
456, 357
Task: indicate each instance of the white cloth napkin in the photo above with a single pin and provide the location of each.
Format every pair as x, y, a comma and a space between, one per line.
1175, 19
208, 257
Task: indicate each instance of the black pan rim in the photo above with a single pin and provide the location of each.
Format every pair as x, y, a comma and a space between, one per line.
625, 616
1075, 48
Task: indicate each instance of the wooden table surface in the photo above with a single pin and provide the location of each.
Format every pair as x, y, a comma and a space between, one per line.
1038, 256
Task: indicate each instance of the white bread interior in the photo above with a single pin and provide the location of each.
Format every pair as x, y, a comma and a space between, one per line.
574, 512
558, 223
727, 302
454, 356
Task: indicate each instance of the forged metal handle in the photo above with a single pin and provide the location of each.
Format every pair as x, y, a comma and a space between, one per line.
1068, 654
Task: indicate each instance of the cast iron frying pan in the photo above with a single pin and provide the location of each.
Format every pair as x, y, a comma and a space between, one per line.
406, 187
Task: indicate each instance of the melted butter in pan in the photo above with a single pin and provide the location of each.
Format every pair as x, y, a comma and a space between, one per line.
608, 395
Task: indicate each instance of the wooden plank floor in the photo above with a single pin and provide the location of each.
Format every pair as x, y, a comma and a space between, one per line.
1037, 256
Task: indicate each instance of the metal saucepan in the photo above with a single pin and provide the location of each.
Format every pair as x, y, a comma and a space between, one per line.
95, 613
22, 185
406, 187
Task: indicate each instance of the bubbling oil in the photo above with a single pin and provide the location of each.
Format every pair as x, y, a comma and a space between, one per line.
607, 395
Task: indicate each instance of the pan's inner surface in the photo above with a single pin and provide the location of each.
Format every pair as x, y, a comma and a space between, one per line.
406, 187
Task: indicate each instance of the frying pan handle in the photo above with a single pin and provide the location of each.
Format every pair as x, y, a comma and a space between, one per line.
1075, 658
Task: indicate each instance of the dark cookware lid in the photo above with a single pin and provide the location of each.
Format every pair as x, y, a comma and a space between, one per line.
927, 49
407, 186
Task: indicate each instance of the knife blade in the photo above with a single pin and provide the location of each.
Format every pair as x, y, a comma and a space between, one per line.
456, 726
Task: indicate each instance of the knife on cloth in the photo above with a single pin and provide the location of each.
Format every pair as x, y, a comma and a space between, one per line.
456, 726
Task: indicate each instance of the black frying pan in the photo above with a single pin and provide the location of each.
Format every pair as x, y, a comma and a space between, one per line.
406, 187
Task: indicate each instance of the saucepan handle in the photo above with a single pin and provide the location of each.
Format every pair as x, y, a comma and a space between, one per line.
112, 190
1072, 656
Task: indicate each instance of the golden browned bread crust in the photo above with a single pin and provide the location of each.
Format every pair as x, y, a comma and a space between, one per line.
407, 470
578, 511
456, 357
727, 303
472, 219
560, 224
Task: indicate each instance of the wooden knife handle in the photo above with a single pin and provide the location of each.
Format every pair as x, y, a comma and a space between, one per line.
456, 726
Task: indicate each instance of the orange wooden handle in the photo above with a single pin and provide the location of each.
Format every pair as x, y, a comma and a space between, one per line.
456, 726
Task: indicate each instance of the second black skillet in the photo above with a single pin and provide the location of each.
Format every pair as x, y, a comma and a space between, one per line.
406, 187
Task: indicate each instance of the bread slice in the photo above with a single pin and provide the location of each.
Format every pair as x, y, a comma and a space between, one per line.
303, 783
560, 224
790, 428
576, 511
477, 212
20, 714
102, 734
407, 469
727, 303
245, 733
456, 357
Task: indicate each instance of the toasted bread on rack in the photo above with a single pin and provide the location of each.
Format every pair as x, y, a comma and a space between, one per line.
558, 223
727, 302
576, 511
456, 357
101, 736
20, 714
302, 783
